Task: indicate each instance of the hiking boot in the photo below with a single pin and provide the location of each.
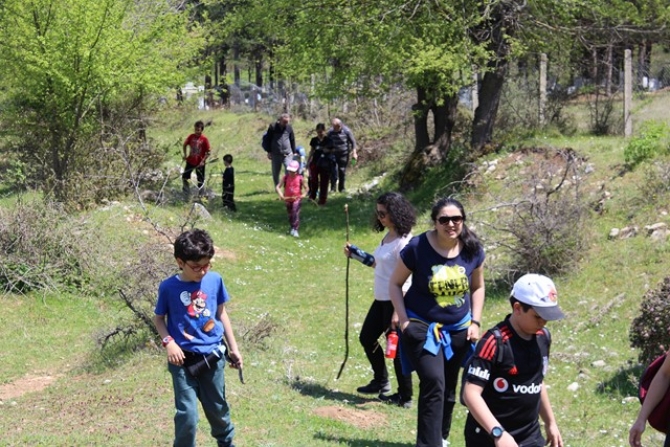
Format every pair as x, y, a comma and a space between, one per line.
395, 399
375, 387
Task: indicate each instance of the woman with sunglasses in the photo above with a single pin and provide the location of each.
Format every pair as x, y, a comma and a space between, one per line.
395, 214
440, 314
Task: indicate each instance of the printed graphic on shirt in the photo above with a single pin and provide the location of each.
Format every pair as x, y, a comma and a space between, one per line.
449, 285
196, 308
195, 146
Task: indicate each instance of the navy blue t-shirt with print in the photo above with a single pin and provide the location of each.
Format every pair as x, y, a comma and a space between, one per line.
511, 384
191, 311
440, 290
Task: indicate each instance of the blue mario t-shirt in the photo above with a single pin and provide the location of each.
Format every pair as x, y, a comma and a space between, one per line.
191, 311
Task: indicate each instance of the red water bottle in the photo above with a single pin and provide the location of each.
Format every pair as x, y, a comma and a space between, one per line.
391, 345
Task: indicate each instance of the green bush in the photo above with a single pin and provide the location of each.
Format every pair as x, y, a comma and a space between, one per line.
651, 142
649, 331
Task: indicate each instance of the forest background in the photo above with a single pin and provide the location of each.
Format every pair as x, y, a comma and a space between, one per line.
91, 133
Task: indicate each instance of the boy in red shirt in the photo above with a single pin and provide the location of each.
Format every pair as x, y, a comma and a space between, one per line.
196, 157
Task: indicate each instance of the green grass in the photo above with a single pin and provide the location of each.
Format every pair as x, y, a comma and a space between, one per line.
299, 285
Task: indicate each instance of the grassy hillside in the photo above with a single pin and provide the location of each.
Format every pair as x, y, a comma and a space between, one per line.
57, 390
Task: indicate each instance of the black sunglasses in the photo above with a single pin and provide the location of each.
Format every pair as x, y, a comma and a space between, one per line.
444, 220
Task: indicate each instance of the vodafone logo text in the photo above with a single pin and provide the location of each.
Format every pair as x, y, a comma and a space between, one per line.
527, 389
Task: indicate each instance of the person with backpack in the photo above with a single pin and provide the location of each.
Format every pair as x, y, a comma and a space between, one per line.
440, 314
657, 391
503, 382
279, 143
343, 147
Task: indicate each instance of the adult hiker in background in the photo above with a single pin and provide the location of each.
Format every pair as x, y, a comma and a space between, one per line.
440, 314
658, 388
343, 146
196, 157
320, 162
279, 143
395, 214
503, 382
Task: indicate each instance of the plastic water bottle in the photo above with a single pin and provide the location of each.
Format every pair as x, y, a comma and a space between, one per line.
391, 345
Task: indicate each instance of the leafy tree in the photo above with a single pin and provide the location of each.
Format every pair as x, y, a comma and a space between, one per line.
72, 70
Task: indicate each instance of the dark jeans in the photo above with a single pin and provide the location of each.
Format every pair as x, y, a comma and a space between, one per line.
438, 378
229, 198
341, 161
318, 181
376, 323
186, 176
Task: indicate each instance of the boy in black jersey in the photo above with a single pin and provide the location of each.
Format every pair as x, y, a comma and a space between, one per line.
504, 391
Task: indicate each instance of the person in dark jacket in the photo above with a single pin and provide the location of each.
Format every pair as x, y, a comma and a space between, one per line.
279, 143
343, 147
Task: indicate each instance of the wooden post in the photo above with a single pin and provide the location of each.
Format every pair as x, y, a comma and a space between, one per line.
628, 93
543, 89
475, 90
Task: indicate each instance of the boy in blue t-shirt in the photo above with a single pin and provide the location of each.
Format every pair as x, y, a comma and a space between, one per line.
192, 320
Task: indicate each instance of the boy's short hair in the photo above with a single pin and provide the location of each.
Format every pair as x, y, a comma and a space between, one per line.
199, 124
524, 306
194, 245
228, 158
320, 126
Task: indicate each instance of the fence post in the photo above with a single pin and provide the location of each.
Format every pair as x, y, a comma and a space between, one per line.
543, 89
628, 93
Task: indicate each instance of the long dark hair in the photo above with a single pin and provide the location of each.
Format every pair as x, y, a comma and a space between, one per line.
399, 210
471, 243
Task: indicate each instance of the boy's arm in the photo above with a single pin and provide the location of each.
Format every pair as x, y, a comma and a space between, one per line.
547, 414
472, 397
174, 353
183, 148
234, 351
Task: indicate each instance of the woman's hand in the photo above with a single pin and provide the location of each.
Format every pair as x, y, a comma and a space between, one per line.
473, 333
347, 252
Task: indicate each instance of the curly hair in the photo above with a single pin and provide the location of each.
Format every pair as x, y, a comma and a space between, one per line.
194, 245
400, 212
470, 240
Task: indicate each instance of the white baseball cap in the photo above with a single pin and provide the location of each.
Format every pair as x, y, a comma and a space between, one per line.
539, 292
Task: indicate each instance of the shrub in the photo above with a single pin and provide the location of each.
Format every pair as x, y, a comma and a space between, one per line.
542, 230
656, 184
650, 142
43, 248
649, 331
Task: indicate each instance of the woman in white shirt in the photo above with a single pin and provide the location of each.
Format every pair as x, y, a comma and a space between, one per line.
395, 214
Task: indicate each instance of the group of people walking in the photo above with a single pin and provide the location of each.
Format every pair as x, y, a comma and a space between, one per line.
430, 288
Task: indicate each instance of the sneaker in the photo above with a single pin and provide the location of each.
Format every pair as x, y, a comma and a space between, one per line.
445, 443
395, 399
295, 233
375, 387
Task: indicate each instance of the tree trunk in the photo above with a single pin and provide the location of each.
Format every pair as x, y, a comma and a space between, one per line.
428, 153
490, 92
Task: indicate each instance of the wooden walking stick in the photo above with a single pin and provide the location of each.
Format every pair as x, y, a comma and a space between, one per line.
346, 301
